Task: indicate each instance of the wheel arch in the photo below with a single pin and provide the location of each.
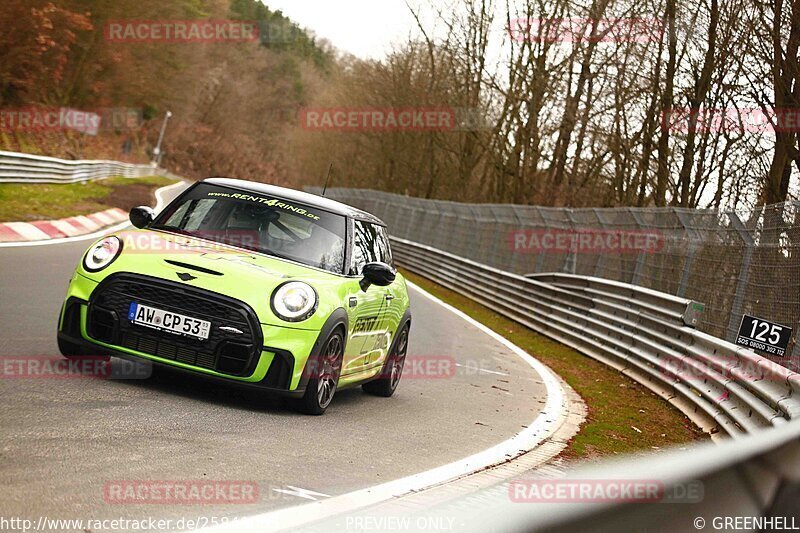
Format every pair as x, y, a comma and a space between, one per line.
337, 319
404, 321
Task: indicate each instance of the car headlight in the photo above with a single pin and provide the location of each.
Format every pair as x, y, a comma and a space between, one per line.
294, 301
102, 254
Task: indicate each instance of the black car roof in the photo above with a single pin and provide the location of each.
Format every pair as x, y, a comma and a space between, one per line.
326, 204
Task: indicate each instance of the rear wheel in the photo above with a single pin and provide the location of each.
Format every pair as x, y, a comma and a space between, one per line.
392, 369
322, 385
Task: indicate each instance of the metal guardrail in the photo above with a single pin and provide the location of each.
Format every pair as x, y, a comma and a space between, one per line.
748, 485
26, 168
647, 335
650, 337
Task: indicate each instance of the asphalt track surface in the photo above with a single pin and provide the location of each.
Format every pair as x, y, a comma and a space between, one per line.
62, 441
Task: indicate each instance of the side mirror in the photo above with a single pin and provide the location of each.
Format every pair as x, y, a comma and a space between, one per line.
142, 216
377, 273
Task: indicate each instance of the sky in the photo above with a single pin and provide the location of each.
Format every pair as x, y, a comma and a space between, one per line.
365, 28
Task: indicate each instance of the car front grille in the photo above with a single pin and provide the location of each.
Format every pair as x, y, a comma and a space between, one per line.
224, 351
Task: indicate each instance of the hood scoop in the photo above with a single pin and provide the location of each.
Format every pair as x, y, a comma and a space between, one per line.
193, 267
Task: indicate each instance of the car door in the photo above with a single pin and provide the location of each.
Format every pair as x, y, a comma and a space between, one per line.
394, 309
367, 338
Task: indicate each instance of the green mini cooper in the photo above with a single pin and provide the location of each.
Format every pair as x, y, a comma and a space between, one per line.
289, 292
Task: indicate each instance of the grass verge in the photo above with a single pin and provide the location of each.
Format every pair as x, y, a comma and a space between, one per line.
22, 202
623, 416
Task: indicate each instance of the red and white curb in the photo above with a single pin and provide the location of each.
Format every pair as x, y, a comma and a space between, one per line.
41, 230
73, 229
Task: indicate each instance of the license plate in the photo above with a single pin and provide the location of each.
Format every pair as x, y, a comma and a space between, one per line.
167, 321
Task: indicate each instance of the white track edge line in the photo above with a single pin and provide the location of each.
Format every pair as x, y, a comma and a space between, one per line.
541, 428
97, 234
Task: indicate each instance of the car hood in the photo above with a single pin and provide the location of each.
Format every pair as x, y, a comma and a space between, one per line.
247, 276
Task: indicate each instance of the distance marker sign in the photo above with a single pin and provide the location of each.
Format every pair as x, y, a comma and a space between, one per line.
763, 335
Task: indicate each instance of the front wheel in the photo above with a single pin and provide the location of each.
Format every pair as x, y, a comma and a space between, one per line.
392, 369
324, 379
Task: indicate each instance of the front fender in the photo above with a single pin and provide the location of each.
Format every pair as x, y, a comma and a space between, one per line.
305, 371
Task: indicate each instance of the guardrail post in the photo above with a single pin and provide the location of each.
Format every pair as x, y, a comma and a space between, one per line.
571, 261
540, 257
600, 265
515, 254
412, 212
492, 259
794, 364
440, 238
464, 233
640, 257
693, 246
744, 276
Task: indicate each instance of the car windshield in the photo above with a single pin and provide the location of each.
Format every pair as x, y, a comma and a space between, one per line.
270, 225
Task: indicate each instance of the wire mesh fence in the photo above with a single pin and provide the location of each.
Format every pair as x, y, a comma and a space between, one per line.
734, 265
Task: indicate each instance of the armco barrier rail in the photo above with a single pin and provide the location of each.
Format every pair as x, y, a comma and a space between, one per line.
25, 168
647, 335
750, 482
748, 485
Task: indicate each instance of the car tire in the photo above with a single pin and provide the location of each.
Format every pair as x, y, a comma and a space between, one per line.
324, 379
392, 369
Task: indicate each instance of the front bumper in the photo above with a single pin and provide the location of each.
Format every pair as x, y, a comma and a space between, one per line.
271, 358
